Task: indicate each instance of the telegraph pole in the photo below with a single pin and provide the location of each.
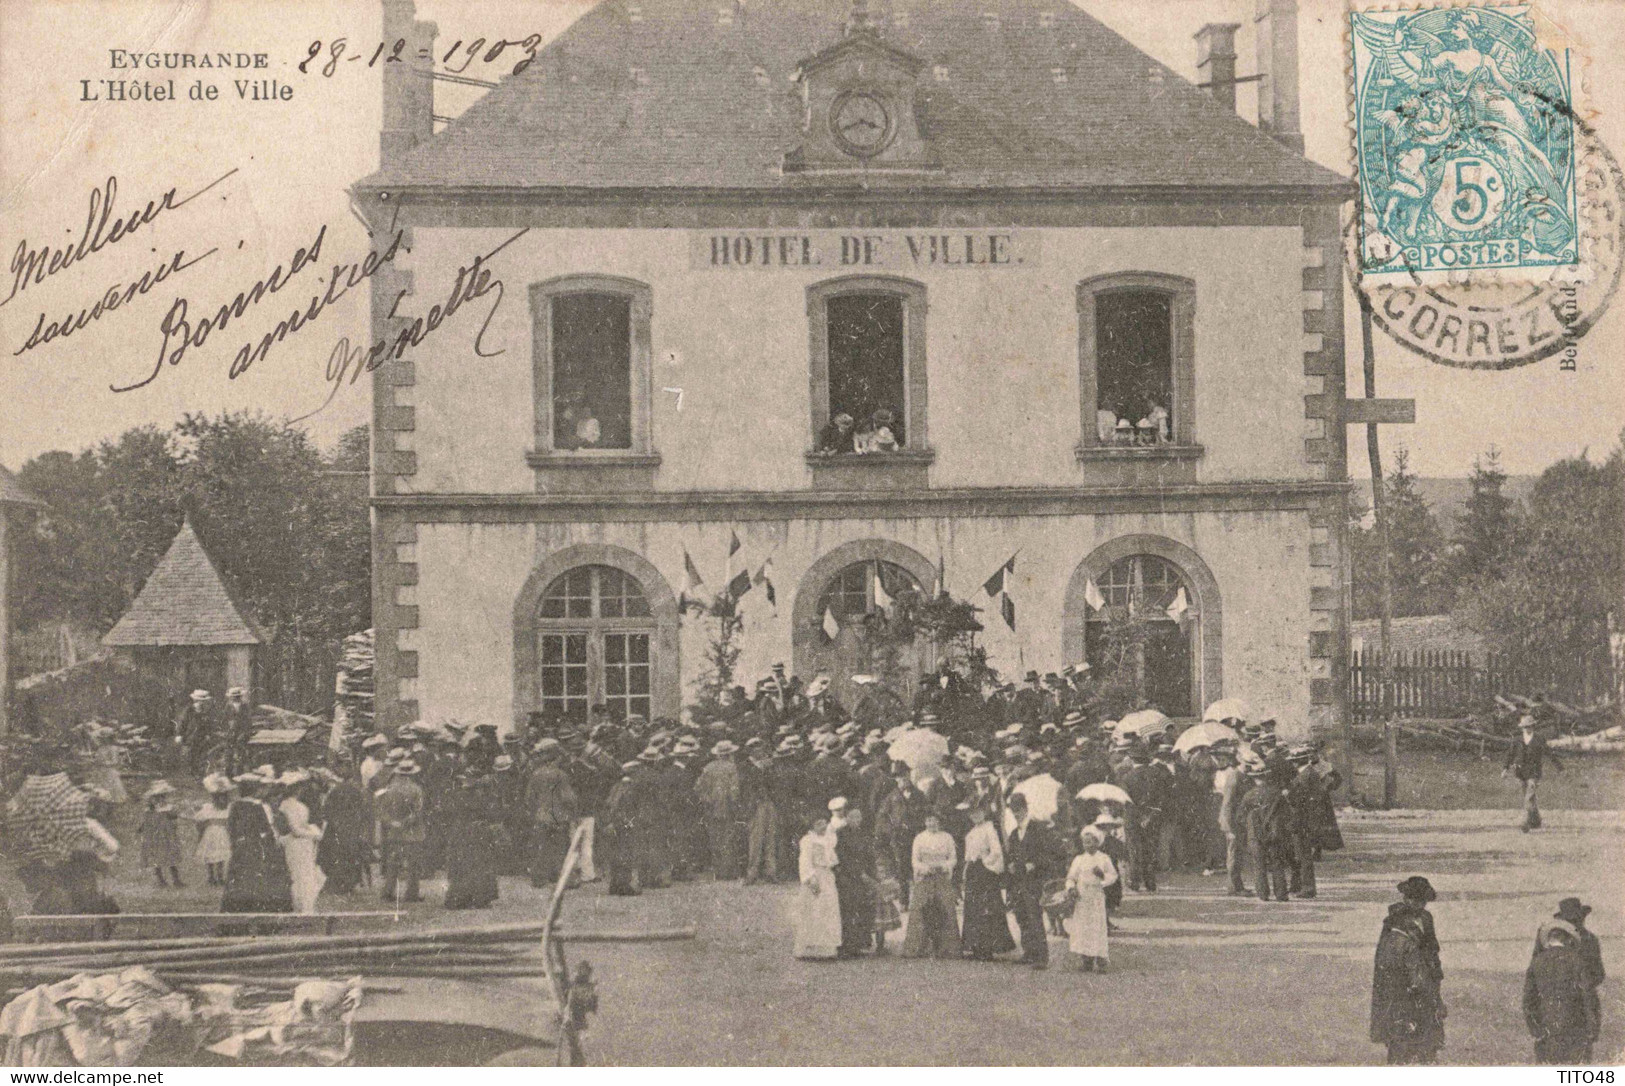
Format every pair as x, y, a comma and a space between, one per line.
1390, 738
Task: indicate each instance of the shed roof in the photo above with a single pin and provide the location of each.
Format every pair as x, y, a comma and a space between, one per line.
1018, 94
184, 602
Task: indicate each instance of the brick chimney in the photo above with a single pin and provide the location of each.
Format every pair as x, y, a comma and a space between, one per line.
1216, 61
408, 117
1276, 22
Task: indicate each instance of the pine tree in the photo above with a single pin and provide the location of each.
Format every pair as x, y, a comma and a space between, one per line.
1487, 534
1416, 546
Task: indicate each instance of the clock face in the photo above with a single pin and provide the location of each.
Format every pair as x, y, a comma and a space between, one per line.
861, 123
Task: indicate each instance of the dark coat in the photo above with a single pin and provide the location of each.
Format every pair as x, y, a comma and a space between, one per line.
1406, 1005
1555, 1004
257, 878
346, 845
1524, 759
1033, 856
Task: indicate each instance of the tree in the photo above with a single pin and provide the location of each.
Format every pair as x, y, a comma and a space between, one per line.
723, 625
1563, 588
291, 541
1416, 546
1486, 539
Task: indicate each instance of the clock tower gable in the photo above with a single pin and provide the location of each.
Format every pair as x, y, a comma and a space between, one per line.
859, 99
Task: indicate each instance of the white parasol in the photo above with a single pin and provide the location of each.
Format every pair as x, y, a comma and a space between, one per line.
1143, 722
1043, 794
1228, 709
918, 748
1104, 793
1204, 734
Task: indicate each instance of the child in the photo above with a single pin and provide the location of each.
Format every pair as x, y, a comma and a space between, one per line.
160, 834
1091, 872
213, 842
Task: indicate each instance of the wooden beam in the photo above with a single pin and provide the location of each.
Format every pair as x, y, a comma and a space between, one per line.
1374, 410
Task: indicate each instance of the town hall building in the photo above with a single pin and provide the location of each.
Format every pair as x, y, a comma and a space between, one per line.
855, 301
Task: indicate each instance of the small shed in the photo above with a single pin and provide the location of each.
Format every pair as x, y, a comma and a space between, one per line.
12, 499
185, 626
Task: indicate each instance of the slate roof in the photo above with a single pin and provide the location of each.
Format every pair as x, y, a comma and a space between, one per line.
12, 492
677, 99
184, 602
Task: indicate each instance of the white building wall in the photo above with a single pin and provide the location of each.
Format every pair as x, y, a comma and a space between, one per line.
1002, 357
469, 576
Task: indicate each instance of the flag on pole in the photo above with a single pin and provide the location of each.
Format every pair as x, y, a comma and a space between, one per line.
995, 584
1007, 607
733, 543
1179, 609
739, 585
831, 627
692, 582
764, 579
1092, 596
942, 577
883, 600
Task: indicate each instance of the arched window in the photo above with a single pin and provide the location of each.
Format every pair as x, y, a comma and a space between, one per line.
1147, 621
866, 588
595, 632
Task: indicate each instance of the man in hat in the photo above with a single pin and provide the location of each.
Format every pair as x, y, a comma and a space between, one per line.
238, 726
855, 880
373, 749
898, 819
1407, 1008
1307, 798
1557, 1005
1573, 913
1268, 820
1028, 704
1032, 857
1151, 788
399, 810
620, 829
195, 730
1523, 761
721, 795
552, 806
651, 820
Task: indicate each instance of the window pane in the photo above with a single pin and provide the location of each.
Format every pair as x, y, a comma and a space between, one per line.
851, 591
576, 649
1134, 355
637, 648
592, 371
867, 362
614, 680
614, 649
638, 679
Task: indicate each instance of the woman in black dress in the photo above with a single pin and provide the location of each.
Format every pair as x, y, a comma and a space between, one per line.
345, 852
472, 813
257, 874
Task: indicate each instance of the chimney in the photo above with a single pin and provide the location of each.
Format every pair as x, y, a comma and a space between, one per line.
408, 117
1277, 24
1216, 61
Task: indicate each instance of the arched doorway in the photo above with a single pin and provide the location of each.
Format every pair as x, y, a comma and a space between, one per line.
1154, 610
847, 618
596, 626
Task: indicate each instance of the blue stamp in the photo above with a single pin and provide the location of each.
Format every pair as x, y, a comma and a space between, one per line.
1464, 142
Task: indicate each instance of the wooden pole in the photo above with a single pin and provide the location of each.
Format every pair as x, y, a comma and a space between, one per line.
1390, 739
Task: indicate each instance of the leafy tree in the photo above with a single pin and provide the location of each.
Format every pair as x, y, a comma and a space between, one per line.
290, 538
1487, 534
1564, 585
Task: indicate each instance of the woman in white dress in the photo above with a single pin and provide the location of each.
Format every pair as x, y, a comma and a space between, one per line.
299, 846
1086, 880
818, 907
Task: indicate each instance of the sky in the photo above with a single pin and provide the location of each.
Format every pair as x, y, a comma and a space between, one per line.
279, 170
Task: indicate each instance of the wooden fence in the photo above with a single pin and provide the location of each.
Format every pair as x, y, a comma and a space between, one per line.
1443, 684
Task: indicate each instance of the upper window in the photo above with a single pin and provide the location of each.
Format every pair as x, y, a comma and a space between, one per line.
592, 365
1137, 360
868, 366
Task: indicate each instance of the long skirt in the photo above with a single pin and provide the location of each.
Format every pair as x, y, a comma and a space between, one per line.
471, 867
818, 918
305, 877
933, 926
1088, 926
257, 879
986, 931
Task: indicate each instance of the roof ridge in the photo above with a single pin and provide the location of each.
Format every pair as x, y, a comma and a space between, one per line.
183, 601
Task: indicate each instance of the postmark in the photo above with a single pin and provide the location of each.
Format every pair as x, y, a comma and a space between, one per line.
1537, 274
1464, 143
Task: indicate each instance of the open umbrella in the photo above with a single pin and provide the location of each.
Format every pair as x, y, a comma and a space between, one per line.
1104, 793
919, 748
1228, 709
1204, 734
1043, 794
1143, 722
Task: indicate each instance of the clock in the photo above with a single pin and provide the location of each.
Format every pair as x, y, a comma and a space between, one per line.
861, 123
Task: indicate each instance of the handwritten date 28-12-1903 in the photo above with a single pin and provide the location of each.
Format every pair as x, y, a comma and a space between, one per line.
481, 49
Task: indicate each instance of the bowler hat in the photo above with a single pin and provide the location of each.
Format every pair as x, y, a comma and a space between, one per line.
1571, 910
1418, 887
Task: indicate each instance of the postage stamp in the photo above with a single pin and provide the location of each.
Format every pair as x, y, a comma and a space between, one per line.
1464, 142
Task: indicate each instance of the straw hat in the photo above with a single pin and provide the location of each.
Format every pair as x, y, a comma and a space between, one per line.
159, 788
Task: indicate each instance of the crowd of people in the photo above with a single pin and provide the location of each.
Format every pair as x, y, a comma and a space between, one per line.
958, 811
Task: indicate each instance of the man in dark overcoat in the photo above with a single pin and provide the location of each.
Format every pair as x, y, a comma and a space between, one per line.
1407, 1007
